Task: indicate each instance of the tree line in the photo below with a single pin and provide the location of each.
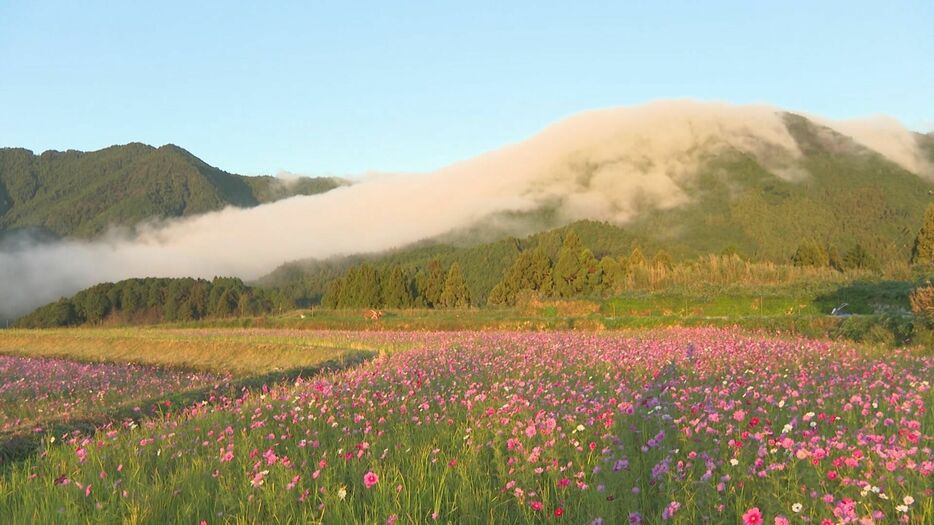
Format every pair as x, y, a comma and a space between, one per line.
811, 252
156, 300
574, 271
364, 286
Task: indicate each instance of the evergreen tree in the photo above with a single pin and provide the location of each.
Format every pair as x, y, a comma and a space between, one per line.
612, 273
227, 303
810, 253
541, 277
131, 297
923, 250
361, 288
531, 271
198, 299
93, 303
395, 289
248, 305
62, 313
185, 312
455, 293
332, 296
588, 276
572, 241
568, 269
433, 284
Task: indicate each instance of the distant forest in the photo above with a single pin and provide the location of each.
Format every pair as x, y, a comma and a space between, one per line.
154, 300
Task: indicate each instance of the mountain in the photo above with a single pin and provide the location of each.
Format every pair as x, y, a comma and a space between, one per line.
847, 195
756, 202
82, 194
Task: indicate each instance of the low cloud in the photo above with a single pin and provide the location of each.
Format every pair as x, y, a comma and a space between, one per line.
606, 164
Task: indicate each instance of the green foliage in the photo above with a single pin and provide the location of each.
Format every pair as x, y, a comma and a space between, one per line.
613, 273
531, 272
834, 259
432, 284
922, 303
887, 330
395, 288
82, 194
922, 251
567, 273
168, 300
810, 253
361, 288
455, 294
858, 258
364, 286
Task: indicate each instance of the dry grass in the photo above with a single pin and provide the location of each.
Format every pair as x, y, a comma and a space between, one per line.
241, 352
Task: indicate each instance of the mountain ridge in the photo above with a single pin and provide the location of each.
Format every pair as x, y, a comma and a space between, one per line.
82, 194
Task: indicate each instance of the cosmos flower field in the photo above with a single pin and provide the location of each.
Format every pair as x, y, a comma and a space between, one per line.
671, 426
36, 391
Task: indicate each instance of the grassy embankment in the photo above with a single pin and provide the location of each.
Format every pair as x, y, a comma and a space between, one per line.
880, 313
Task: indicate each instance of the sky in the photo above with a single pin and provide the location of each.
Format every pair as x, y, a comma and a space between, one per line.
346, 88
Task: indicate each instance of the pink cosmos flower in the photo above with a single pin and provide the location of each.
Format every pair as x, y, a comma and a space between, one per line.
370, 479
752, 517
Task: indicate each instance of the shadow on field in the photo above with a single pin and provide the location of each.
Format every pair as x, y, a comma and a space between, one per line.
20, 445
868, 297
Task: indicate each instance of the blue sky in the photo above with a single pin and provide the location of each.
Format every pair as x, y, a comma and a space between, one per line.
347, 87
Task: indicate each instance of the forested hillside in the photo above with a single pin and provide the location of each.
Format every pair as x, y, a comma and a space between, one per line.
850, 202
81, 194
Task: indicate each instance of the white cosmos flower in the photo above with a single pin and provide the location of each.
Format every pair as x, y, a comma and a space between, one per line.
797, 507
